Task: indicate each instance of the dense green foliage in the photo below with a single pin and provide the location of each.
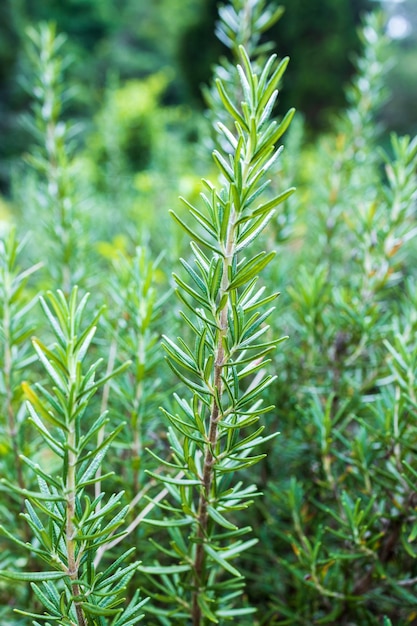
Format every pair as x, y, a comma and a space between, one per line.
242, 478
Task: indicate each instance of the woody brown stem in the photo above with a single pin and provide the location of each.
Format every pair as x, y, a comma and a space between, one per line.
212, 440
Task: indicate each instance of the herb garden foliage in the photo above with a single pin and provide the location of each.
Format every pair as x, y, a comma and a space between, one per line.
343, 550
114, 511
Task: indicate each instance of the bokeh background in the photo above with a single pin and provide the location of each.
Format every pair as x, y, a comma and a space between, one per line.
112, 42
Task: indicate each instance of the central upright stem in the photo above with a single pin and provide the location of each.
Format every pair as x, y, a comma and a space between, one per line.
215, 417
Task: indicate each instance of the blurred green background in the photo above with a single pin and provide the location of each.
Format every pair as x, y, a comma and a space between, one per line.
112, 42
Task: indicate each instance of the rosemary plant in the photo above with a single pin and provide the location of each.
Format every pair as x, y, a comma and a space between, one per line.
223, 364
68, 522
135, 318
347, 501
15, 329
240, 23
52, 158
17, 322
